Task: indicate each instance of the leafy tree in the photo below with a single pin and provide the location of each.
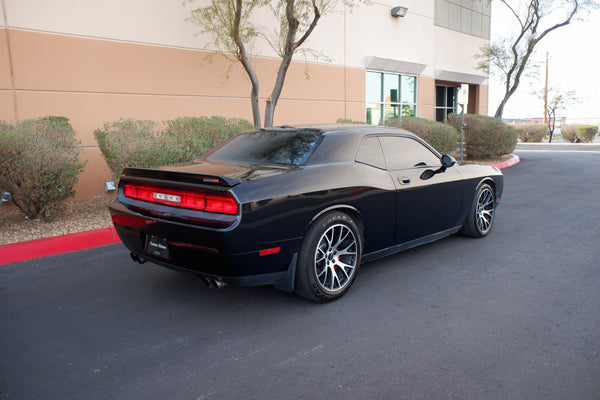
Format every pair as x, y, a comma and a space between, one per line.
556, 101
230, 24
509, 58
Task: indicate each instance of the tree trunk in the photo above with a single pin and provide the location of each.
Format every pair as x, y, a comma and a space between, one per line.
269, 113
255, 105
272, 101
243, 57
500, 109
290, 47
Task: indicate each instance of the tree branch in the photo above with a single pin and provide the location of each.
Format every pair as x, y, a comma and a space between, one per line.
243, 58
512, 10
312, 26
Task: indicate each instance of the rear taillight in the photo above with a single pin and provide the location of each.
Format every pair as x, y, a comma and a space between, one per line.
211, 201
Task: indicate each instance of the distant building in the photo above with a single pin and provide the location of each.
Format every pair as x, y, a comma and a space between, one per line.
583, 121
100, 61
558, 121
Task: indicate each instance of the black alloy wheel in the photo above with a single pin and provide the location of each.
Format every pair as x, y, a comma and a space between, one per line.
329, 257
481, 216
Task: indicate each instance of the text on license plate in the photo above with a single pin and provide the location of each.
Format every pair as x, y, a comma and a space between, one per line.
157, 246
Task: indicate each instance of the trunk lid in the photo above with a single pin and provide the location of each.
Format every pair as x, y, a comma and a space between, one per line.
210, 173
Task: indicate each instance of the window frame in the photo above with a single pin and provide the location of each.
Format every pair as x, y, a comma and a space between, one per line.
382, 104
445, 108
386, 166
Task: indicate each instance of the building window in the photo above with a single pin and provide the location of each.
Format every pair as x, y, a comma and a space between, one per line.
467, 16
390, 96
445, 102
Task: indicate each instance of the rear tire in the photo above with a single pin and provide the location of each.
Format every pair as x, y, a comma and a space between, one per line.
329, 258
481, 214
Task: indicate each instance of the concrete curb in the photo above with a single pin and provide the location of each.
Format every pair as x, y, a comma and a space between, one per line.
508, 163
23, 251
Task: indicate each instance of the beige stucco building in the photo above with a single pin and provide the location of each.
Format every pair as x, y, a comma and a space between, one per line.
100, 61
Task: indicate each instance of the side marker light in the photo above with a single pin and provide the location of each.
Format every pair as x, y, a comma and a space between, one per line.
267, 252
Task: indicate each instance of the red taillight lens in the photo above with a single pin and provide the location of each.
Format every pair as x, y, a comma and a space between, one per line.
217, 202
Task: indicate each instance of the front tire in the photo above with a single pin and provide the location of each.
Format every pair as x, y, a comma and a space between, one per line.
329, 258
481, 215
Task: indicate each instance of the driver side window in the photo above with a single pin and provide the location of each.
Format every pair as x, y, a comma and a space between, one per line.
404, 153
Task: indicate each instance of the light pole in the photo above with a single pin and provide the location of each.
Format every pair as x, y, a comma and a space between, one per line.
546, 90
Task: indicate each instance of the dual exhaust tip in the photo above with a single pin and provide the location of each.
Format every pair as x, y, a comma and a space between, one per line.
213, 283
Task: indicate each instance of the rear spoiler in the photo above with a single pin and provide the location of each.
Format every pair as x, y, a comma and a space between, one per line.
175, 176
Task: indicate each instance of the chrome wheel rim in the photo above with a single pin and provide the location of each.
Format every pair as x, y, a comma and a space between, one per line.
335, 258
484, 215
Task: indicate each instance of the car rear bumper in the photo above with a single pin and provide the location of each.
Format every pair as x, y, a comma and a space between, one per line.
233, 256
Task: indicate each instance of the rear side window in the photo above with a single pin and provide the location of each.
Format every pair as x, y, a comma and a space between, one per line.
370, 152
269, 147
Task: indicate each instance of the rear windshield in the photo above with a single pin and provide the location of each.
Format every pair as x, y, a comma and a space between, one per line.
269, 147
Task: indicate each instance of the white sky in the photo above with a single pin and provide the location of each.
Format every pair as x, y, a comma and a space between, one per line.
574, 64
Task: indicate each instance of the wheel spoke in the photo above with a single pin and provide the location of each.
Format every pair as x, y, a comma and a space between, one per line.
341, 238
344, 267
336, 258
337, 281
485, 210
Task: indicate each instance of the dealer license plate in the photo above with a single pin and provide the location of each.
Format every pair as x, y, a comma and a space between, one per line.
157, 246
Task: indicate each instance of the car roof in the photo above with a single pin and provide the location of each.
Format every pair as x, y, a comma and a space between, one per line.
340, 141
343, 129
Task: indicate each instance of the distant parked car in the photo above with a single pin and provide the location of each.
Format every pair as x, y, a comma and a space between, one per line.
301, 208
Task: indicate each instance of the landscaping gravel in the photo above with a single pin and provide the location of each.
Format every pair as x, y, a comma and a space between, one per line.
73, 216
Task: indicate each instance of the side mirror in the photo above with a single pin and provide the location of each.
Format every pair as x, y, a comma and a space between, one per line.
448, 161
427, 174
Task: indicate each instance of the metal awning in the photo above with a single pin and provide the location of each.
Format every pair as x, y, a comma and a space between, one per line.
397, 66
459, 77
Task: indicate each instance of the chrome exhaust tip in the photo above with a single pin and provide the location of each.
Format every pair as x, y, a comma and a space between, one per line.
205, 280
137, 258
218, 284
212, 283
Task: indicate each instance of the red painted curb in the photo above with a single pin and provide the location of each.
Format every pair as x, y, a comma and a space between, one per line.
15, 252
508, 163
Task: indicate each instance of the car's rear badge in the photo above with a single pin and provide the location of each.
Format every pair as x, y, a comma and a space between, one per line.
167, 197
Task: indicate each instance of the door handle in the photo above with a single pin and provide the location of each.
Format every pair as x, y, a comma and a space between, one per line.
404, 180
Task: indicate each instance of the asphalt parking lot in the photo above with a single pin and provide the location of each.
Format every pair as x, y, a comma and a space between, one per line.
515, 315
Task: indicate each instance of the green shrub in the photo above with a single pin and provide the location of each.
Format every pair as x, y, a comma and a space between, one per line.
530, 132
147, 144
569, 133
587, 132
131, 143
578, 133
443, 138
485, 137
39, 163
196, 135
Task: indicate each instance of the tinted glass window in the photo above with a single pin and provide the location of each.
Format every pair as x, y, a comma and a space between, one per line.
269, 147
404, 152
370, 152
390, 96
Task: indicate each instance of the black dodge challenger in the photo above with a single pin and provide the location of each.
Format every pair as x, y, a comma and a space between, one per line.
301, 208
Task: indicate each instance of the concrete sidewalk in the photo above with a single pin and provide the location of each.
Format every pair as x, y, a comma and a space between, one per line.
559, 146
